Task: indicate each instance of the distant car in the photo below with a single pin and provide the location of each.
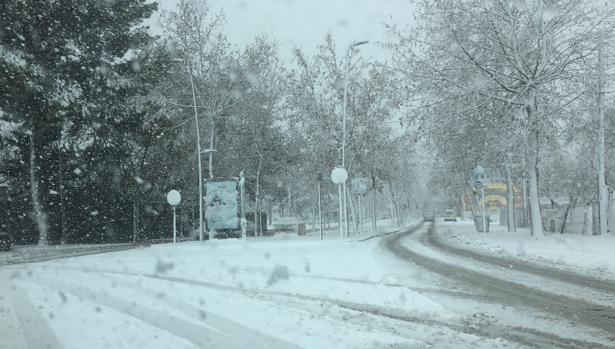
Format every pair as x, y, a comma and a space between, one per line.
429, 217
5, 241
449, 216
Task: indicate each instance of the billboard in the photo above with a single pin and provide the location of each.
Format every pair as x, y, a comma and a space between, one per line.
222, 208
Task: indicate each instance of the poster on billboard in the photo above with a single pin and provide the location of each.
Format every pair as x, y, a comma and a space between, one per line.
222, 208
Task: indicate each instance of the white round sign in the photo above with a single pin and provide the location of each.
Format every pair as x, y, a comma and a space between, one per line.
339, 175
174, 197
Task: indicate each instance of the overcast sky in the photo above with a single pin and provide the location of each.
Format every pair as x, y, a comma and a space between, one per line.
304, 23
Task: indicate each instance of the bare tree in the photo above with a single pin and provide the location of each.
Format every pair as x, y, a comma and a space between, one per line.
515, 52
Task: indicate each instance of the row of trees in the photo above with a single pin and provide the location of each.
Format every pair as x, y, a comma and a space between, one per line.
518, 86
98, 120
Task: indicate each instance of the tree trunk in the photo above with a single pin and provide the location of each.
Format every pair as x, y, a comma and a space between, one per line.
588, 226
524, 188
395, 206
257, 205
290, 210
135, 220
612, 214
374, 225
602, 189
571, 202
354, 214
510, 205
39, 215
535, 216
212, 138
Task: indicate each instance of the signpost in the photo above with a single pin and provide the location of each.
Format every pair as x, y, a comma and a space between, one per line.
174, 198
339, 177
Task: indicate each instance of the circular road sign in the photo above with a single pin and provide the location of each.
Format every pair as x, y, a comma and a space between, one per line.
339, 175
174, 197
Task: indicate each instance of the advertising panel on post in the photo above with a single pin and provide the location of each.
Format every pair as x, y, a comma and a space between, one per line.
222, 207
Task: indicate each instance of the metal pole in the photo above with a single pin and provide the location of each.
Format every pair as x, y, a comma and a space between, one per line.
482, 190
319, 212
174, 226
181, 222
346, 225
242, 181
198, 151
341, 211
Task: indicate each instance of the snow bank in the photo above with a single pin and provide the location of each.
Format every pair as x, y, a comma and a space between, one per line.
579, 253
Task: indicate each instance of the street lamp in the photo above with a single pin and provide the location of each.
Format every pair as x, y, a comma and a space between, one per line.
346, 73
198, 150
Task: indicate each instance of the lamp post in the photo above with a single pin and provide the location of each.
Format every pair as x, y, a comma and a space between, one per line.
198, 149
346, 73
339, 177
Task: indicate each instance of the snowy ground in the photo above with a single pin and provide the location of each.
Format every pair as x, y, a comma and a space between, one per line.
575, 252
227, 294
278, 292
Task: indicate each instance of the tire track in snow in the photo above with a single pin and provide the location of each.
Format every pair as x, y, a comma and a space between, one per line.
517, 334
565, 308
224, 325
201, 336
34, 326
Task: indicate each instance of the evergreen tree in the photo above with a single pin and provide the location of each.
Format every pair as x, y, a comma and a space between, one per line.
66, 66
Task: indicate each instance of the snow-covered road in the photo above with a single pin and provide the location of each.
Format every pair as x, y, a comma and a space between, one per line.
537, 305
289, 293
